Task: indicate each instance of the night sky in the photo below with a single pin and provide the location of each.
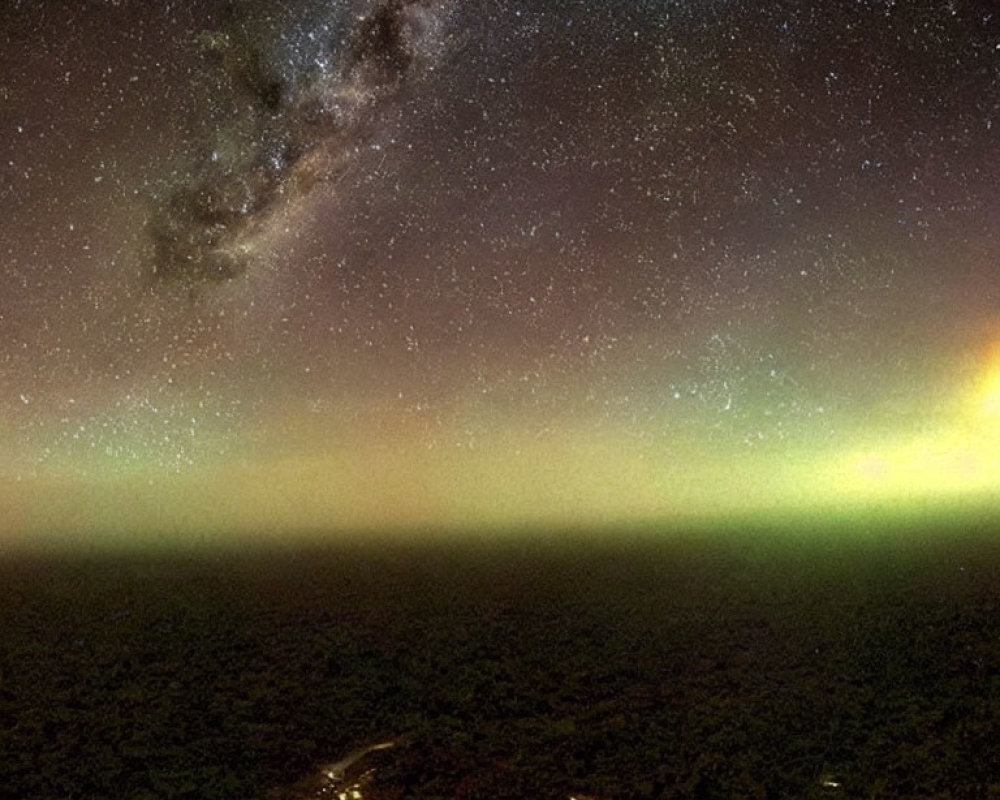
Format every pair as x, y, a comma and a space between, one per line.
275, 269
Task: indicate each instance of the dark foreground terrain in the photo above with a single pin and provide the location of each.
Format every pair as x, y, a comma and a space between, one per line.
619, 666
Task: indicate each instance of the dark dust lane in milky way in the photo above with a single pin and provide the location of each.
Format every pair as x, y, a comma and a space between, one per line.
312, 89
383, 264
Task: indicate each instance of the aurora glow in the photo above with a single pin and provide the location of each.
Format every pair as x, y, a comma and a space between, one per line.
360, 266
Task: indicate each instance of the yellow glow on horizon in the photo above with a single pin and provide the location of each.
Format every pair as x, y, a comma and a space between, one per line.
986, 396
928, 466
326, 476
959, 456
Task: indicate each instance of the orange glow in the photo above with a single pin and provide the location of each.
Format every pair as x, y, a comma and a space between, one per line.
958, 454
986, 398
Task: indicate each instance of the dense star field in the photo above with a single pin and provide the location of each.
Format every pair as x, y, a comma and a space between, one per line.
493, 399
321, 266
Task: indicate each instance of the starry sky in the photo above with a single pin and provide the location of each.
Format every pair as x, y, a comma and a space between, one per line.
277, 269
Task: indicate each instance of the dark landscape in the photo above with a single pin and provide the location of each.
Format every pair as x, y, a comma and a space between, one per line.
621, 664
